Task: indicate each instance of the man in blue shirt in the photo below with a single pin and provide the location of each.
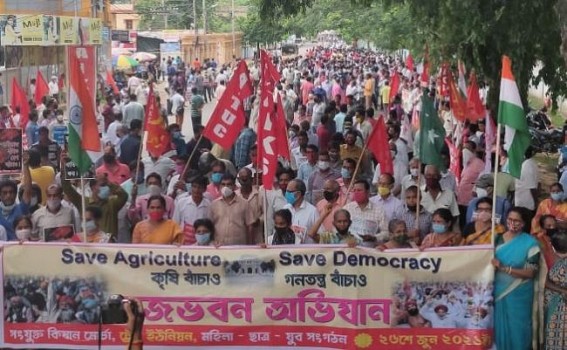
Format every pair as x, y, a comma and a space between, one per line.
10, 210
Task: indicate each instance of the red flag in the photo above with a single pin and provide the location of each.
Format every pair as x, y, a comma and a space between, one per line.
158, 137
110, 81
455, 156
474, 103
228, 117
267, 135
409, 62
394, 86
281, 131
458, 102
41, 88
425, 73
19, 99
378, 145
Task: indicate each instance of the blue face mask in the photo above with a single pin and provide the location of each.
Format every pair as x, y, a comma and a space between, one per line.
176, 134
557, 196
203, 238
216, 178
290, 197
439, 228
345, 173
103, 192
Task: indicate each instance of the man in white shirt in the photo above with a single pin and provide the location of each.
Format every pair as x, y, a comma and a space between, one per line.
133, 83
189, 208
53, 86
161, 165
177, 101
220, 89
304, 214
527, 185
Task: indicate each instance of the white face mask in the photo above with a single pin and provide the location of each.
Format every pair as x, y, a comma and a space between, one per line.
23, 234
481, 192
323, 165
227, 192
414, 172
154, 190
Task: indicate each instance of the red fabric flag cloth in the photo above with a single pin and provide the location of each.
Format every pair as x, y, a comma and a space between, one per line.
444, 80
228, 117
267, 135
281, 131
378, 145
110, 81
475, 106
41, 88
425, 73
158, 137
20, 100
458, 102
455, 156
409, 63
394, 86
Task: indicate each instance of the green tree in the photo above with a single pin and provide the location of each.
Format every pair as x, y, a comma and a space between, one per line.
478, 32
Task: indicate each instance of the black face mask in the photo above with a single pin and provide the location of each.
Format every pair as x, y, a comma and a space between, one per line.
412, 207
329, 196
413, 312
109, 158
551, 231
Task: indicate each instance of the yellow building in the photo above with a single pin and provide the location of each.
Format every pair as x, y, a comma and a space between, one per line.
124, 17
80, 8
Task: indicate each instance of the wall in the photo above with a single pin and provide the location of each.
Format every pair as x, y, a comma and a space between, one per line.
218, 46
118, 21
81, 8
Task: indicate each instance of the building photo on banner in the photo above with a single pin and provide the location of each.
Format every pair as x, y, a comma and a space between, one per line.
254, 298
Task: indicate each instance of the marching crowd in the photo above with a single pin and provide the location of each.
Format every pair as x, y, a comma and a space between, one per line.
330, 191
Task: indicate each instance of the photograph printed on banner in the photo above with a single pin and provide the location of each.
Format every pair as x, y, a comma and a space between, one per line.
467, 305
39, 299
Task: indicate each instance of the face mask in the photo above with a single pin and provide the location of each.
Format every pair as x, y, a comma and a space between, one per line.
323, 165
90, 226
329, 195
290, 197
245, 184
156, 215
412, 207
432, 183
333, 157
557, 196
154, 190
479, 134
60, 118
484, 216
176, 134
401, 239
203, 238
227, 192
359, 197
515, 227
345, 173
551, 231
7, 208
103, 192
383, 191
109, 158
413, 312
281, 230
481, 192
216, 178
439, 228
23, 234
414, 172
53, 204
291, 134
33, 201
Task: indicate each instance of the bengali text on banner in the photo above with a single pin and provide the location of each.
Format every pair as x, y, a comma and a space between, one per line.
298, 297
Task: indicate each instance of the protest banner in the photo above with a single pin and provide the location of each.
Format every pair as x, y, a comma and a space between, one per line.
10, 151
301, 297
59, 233
72, 172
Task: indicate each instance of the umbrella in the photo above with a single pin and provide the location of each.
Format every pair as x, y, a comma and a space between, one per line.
144, 56
124, 62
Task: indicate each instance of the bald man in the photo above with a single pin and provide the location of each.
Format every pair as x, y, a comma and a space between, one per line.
332, 199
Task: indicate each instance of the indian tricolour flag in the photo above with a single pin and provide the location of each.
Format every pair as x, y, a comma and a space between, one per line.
511, 115
84, 141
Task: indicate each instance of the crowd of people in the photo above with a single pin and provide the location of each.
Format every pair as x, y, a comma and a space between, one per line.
331, 191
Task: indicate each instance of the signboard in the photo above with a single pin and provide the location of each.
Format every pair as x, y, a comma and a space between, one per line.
59, 233
47, 30
170, 49
10, 151
291, 297
120, 35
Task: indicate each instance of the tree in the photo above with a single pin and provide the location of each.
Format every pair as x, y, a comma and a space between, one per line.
478, 32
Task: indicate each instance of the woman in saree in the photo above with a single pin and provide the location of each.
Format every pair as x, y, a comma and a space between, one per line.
516, 262
479, 231
556, 296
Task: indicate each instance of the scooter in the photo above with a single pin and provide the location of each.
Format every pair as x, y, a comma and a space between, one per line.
544, 138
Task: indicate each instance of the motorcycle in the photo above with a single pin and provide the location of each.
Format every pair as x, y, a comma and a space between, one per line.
544, 138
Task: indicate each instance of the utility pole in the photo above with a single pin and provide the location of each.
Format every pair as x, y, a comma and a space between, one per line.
165, 15
233, 34
204, 30
196, 30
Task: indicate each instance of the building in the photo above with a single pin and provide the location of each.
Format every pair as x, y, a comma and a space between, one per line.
220, 46
124, 17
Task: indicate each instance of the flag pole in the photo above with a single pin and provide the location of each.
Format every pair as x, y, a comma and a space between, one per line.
353, 180
496, 161
182, 175
83, 220
417, 210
